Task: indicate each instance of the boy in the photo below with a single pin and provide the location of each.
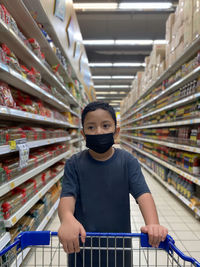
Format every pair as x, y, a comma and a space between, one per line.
96, 187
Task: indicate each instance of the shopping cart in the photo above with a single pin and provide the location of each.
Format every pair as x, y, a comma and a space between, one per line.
45, 250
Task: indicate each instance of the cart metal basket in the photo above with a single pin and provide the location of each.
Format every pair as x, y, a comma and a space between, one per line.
46, 250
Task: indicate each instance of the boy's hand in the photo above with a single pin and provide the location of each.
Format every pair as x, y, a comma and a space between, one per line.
69, 235
156, 233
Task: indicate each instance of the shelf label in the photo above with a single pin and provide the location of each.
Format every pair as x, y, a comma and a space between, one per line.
12, 185
23, 153
14, 220
12, 145
40, 195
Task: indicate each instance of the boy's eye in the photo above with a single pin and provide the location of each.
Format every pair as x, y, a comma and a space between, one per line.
106, 126
90, 127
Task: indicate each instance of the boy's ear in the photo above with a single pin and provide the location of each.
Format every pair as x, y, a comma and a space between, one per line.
117, 130
82, 132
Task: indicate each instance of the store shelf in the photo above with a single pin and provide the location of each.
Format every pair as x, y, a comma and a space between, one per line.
166, 124
25, 208
173, 190
6, 149
72, 141
4, 240
6, 112
167, 107
186, 55
5, 188
190, 177
31, 60
15, 79
189, 77
41, 227
166, 143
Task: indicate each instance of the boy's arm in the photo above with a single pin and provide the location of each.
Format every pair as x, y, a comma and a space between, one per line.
70, 228
155, 231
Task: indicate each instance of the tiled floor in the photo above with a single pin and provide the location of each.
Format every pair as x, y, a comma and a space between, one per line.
182, 225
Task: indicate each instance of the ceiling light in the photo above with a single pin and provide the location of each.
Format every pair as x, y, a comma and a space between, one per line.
100, 64
102, 86
116, 101
102, 97
160, 42
123, 77
145, 6
122, 42
134, 42
98, 42
93, 6
118, 64
101, 77
128, 64
119, 86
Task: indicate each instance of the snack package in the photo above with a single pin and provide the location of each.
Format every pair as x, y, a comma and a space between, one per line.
6, 98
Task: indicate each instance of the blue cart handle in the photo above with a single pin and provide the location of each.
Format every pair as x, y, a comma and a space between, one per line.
39, 238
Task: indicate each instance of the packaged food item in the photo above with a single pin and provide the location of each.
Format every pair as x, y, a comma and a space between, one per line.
36, 48
6, 98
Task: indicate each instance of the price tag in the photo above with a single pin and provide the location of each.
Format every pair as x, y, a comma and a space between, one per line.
23, 75
40, 195
12, 145
14, 220
190, 205
23, 153
12, 185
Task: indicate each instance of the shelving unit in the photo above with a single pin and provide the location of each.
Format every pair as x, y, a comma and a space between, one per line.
41, 227
138, 112
4, 240
173, 191
23, 210
24, 177
66, 102
32, 144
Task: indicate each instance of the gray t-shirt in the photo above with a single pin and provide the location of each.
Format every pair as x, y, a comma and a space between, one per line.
102, 188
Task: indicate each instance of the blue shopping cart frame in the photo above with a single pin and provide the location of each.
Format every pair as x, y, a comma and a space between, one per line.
42, 238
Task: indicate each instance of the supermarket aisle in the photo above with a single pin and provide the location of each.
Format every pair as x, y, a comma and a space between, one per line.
182, 225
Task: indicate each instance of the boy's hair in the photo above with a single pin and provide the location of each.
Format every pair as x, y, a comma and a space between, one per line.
98, 105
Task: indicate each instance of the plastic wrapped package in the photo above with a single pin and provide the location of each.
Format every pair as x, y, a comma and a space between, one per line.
11, 59
36, 48
3, 177
11, 202
6, 98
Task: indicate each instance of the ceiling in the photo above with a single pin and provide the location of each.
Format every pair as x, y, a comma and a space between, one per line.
119, 25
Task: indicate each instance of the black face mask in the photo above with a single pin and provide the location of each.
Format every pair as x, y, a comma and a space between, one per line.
99, 143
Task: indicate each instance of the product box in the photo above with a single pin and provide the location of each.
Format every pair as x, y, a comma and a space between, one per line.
196, 20
188, 32
188, 10
169, 24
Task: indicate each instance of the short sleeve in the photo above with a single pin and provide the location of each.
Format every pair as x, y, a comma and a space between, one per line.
137, 183
70, 180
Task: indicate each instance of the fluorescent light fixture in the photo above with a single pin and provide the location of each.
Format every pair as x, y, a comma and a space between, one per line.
100, 64
98, 42
101, 77
134, 42
102, 86
113, 77
123, 42
97, 6
123, 77
101, 97
145, 6
115, 101
120, 86
129, 64
118, 64
160, 42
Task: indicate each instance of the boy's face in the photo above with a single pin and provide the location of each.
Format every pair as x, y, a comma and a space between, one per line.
99, 122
